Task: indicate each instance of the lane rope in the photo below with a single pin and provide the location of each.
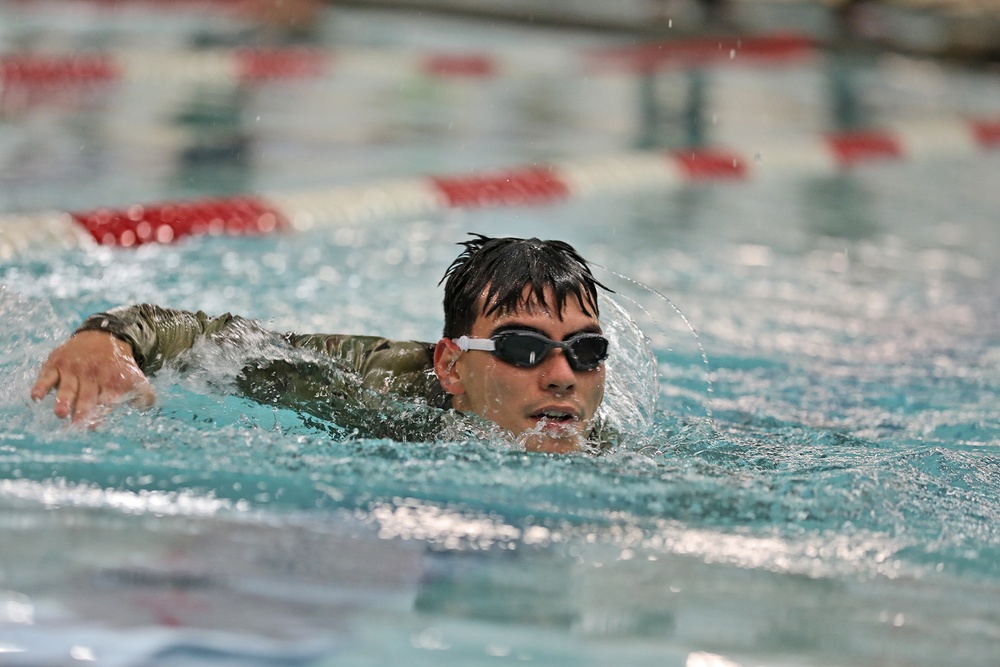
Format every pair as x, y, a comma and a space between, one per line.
529, 185
267, 64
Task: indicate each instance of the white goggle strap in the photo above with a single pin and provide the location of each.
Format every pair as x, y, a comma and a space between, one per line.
465, 344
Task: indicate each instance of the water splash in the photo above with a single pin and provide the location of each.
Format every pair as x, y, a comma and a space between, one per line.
632, 384
661, 328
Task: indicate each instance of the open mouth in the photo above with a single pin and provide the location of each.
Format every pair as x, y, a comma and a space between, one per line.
555, 416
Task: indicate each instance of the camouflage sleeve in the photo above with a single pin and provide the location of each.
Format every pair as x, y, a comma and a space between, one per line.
159, 335
371, 386
404, 368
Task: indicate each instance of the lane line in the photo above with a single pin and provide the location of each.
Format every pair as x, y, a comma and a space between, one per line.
527, 185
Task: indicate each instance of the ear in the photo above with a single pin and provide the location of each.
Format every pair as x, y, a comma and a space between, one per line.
446, 353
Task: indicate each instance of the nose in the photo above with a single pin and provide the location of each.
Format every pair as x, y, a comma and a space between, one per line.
557, 375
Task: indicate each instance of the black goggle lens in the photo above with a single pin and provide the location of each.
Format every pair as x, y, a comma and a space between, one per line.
584, 351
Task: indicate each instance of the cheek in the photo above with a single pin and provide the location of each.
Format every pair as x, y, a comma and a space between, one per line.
491, 386
501, 387
595, 390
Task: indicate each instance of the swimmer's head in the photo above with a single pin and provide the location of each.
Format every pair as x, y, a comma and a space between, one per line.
501, 276
522, 343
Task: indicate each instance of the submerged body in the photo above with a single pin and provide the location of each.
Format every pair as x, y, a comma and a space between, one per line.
531, 303
373, 386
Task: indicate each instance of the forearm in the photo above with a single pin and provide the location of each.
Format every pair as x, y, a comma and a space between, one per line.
157, 335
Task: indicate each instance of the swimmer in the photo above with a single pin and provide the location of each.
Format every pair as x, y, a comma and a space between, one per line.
522, 348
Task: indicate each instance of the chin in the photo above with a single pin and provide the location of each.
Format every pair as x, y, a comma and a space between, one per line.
552, 445
553, 440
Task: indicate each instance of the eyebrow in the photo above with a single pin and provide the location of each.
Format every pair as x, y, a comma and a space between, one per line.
514, 326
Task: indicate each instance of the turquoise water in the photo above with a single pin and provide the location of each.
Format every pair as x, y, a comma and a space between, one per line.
826, 495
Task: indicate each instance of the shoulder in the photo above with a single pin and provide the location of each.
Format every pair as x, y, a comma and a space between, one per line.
401, 355
404, 368
367, 351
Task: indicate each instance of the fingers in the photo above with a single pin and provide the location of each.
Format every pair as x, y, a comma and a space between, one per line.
93, 405
47, 379
91, 372
86, 400
77, 398
66, 395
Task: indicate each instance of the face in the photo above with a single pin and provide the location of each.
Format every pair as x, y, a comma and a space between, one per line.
550, 405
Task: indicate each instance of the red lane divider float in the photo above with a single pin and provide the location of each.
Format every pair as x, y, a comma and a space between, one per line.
766, 49
987, 132
851, 148
530, 185
524, 186
475, 65
281, 64
51, 81
55, 69
712, 165
164, 223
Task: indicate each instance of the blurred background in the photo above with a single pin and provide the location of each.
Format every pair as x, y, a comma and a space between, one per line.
107, 103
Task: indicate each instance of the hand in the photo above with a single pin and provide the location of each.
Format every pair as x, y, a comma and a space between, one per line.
91, 369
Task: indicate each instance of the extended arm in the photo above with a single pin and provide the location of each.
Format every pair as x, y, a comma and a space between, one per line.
105, 362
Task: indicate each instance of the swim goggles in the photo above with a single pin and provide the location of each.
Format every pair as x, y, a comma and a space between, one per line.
584, 351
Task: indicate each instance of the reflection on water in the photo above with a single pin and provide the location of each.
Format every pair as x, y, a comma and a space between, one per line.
302, 587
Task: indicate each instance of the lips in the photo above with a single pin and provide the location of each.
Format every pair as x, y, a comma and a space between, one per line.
557, 414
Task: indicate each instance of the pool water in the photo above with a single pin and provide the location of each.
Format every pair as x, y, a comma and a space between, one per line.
823, 492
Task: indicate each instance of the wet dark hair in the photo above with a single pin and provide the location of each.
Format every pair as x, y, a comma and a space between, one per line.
501, 268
